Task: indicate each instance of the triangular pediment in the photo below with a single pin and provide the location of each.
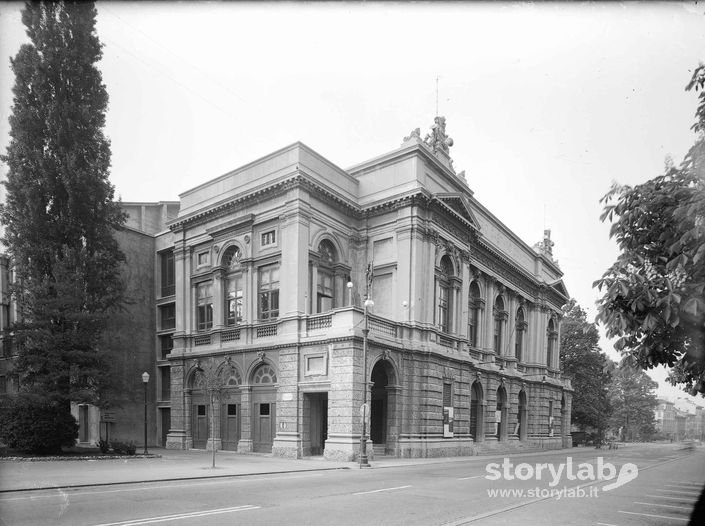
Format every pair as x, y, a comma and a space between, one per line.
459, 206
559, 287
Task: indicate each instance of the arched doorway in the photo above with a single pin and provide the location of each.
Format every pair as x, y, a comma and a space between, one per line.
199, 411
230, 408
264, 414
476, 416
523, 416
379, 403
501, 414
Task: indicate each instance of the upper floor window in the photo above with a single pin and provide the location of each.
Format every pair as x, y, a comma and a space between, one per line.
168, 277
234, 300
474, 305
499, 317
269, 238
167, 316
204, 306
444, 292
520, 330
552, 335
166, 344
325, 288
268, 292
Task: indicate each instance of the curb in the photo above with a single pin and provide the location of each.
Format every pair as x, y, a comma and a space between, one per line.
174, 479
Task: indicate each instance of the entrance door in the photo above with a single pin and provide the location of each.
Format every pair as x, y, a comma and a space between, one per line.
230, 426
378, 404
165, 423
199, 428
83, 423
318, 422
264, 422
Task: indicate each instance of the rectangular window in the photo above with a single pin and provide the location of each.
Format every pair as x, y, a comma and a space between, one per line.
167, 316
268, 294
519, 344
232, 409
443, 309
166, 344
166, 382
168, 273
498, 336
264, 410
324, 292
234, 304
201, 410
3, 384
204, 306
269, 238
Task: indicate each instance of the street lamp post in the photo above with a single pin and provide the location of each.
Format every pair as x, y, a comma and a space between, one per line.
363, 437
145, 381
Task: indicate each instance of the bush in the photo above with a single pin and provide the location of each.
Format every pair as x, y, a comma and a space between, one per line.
124, 448
38, 426
103, 445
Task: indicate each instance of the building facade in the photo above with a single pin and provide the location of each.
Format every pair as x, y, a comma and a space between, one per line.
289, 292
276, 305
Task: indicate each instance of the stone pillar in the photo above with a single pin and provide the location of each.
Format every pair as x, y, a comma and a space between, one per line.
344, 400
218, 300
287, 442
188, 443
394, 401
245, 443
176, 438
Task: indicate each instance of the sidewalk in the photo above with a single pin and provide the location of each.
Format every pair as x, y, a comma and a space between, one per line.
188, 465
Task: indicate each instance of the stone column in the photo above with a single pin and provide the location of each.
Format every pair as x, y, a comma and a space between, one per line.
176, 438
188, 419
344, 400
287, 442
245, 443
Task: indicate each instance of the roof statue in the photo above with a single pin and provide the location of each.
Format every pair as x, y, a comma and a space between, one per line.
437, 138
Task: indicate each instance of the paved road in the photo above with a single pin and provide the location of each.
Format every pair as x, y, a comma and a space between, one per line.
443, 494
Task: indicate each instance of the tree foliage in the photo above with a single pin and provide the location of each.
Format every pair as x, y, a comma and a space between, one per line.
653, 295
589, 368
633, 401
60, 216
34, 425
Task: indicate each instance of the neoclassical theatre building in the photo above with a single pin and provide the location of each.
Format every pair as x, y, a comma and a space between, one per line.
289, 291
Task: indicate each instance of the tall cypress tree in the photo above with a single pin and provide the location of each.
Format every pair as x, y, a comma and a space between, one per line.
60, 215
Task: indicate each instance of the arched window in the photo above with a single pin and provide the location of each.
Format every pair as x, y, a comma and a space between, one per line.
552, 335
444, 288
499, 318
265, 375
325, 288
520, 330
230, 377
474, 305
234, 301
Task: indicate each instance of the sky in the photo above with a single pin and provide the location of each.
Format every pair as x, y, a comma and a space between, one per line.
547, 104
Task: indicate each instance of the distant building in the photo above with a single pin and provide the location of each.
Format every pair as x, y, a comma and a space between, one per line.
665, 417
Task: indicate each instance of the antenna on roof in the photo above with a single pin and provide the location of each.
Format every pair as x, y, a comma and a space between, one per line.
436, 96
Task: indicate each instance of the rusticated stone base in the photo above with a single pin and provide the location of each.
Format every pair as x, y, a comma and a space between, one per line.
435, 447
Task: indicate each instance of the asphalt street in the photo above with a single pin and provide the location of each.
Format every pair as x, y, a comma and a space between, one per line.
660, 486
